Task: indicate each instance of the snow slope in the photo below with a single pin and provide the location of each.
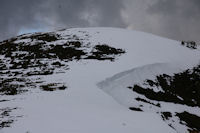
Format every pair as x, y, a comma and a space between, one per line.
83, 107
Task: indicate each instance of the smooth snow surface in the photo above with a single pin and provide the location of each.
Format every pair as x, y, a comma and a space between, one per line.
83, 107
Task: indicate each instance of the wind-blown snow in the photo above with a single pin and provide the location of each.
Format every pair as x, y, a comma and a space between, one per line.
83, 107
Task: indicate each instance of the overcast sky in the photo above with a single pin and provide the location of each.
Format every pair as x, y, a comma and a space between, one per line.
175, 19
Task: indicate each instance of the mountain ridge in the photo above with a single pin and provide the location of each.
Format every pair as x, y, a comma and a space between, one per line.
59, 72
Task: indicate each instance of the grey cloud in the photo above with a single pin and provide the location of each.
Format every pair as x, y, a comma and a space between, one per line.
82, 12
53, 14
15, 15
180, 8
176, 19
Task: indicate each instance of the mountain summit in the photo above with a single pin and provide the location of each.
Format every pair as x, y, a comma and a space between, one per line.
94, 80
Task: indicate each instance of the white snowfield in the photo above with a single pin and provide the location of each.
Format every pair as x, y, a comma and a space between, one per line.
95, 103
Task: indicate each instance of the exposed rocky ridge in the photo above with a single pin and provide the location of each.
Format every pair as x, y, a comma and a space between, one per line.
180, 88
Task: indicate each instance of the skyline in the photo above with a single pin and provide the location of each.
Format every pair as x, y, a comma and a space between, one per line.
178, 19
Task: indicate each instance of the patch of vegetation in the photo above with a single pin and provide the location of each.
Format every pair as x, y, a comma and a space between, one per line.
41, 72
53, 87
189, 44
2, 65
181, 88
6, 123
5, 113
105, 52
4, 100
13, 86
75, 44
145, 101
68, 53
43, 37
166, 115
57, 64
135, 109
191, 121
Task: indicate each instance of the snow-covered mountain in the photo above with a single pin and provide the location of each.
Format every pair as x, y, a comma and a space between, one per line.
94, 80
